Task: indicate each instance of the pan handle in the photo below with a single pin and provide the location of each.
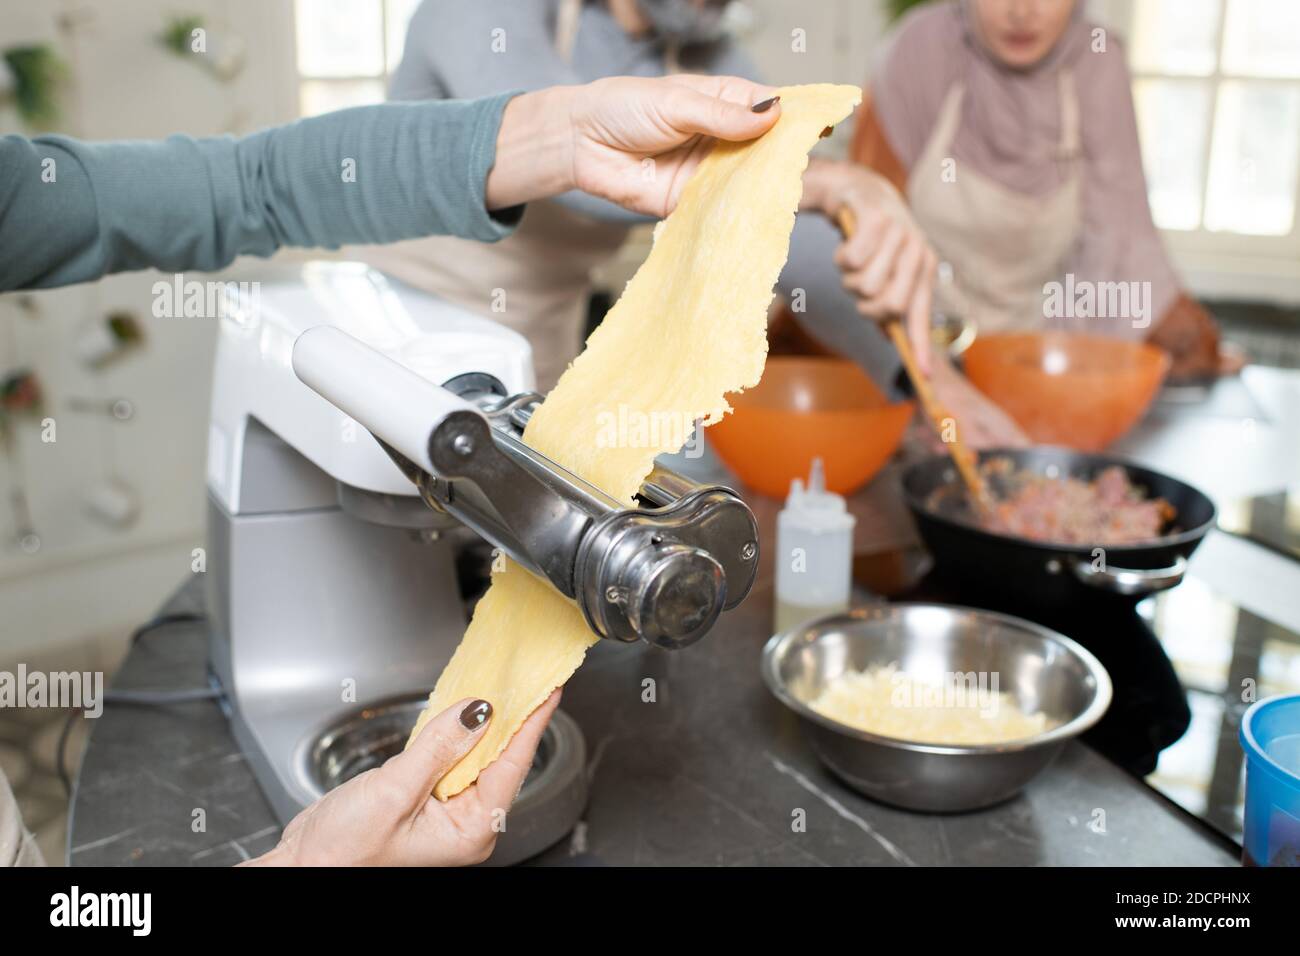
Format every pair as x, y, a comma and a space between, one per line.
1129, 581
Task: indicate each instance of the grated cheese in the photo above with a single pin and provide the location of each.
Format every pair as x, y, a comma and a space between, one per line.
960, 709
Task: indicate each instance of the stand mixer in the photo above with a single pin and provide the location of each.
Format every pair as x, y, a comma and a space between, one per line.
331, 571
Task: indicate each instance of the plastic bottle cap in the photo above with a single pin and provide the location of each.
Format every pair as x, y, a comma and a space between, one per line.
814, 506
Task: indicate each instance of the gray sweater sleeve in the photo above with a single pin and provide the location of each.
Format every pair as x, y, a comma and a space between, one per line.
73, 211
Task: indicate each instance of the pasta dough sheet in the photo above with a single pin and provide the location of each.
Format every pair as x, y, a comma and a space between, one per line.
690, 327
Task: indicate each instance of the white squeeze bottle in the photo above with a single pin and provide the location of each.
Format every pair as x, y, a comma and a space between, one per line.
814, 552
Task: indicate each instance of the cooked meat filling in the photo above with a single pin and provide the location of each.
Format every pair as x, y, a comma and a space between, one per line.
1108, 509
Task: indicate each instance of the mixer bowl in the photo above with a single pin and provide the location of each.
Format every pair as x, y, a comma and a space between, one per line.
1075, 391
1041, 669
809, 407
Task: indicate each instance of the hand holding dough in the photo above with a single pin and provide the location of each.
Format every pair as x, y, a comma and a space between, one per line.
690, 327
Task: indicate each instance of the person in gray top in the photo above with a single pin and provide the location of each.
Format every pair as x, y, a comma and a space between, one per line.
465, 48
72, 211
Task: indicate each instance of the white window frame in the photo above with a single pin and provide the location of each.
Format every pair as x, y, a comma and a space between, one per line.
301, 79
1221, 264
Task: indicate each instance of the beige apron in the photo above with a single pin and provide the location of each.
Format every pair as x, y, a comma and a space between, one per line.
1003, 245
536, 281
17, 846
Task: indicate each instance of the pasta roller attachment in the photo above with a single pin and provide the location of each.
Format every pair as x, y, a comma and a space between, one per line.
661, 571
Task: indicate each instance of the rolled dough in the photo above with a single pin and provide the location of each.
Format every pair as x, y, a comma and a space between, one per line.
690, 327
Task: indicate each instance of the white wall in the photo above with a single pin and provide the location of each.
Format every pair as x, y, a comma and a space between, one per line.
89, 578
841, 36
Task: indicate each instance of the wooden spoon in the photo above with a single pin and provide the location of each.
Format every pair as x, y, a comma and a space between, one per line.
939, 416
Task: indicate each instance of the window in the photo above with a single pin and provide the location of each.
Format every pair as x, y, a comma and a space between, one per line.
347, 50
1217, 90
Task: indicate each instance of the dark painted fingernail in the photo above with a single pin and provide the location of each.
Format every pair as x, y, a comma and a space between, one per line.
764, 105
475, 715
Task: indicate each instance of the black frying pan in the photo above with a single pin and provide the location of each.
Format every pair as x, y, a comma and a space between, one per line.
1055, 573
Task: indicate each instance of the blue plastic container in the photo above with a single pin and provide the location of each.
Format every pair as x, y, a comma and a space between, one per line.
1270, 736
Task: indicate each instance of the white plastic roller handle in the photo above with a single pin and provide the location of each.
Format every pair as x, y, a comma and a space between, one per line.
385, 397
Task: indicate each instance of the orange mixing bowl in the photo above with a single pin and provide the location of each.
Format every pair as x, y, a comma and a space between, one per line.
1077, 391
807, 407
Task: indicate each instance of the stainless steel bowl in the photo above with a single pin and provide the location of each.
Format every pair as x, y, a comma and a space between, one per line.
1039, 668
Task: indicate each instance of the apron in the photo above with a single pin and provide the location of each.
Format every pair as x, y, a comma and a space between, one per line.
1003, 245
536, 281
17, 846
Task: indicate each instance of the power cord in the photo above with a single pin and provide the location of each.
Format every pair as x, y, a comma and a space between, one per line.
143, 698
162, 620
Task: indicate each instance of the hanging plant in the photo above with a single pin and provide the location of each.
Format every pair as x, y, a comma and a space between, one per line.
105, 339
189, 36
33, 76
178, 36
20, 391
897, 8
20, 395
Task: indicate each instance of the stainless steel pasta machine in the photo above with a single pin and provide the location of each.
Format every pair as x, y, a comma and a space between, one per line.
332, 556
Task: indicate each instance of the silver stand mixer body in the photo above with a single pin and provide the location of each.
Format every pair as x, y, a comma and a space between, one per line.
314, 611
331, 585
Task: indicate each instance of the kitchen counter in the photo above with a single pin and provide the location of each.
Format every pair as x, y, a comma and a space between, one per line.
712, 773
715, 771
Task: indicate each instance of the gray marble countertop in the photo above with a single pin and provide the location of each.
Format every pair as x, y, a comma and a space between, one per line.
712, 773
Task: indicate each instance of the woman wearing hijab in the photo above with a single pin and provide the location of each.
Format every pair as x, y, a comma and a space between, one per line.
1009, 126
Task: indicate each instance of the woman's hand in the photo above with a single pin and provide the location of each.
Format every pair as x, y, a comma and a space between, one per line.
1191, 337
630, 140
387, 816
887, 264
981, 423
